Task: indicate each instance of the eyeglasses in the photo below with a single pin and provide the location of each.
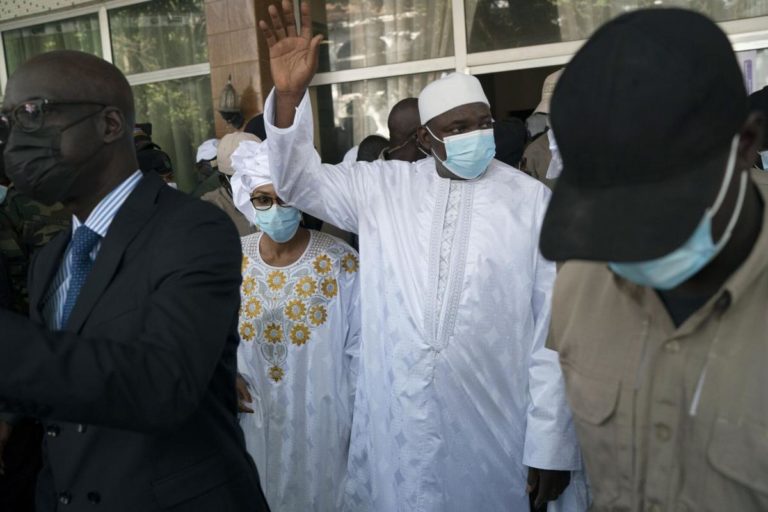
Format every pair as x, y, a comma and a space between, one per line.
264, 203
30, 115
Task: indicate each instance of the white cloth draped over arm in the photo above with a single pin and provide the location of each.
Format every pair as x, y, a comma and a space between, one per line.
354, 332
550, 437
331, 193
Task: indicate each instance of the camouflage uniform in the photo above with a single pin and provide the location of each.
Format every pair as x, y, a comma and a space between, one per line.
25, 226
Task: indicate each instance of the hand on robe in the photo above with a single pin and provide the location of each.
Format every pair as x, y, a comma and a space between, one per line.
243, 395
5, 434
546, 485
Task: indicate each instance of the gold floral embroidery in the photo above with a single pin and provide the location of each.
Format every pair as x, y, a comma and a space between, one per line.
329, 287
247, 331
252, 308
300, 334
249, 285
244, 265
273, 333
318, 315
295, 310
350, 263
276, 280
276, 373
322, 264
306, 287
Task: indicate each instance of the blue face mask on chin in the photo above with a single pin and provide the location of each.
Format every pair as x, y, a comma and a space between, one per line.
467, 155
3, 193
686, 261
279, 223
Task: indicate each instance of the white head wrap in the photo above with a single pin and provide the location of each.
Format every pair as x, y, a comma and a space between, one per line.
207, 150
251, 166
447, 93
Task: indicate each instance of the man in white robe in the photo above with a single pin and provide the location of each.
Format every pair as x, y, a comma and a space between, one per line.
459, 404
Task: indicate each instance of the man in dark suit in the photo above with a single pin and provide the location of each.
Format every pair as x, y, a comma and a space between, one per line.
135, 386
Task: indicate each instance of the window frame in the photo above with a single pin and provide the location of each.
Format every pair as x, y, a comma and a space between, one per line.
102, 9
744, 34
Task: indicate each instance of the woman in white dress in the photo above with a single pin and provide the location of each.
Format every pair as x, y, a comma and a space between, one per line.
300, 330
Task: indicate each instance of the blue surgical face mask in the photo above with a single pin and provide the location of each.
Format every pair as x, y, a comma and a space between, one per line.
683, 263
3, 193
764, 159
467, 155
279, 223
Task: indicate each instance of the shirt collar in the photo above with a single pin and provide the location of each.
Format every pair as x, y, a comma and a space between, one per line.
104, 213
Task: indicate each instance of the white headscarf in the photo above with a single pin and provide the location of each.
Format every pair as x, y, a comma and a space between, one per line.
251, 166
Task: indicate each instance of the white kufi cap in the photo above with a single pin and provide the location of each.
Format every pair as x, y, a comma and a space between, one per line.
207, 150
251, 165
449, 92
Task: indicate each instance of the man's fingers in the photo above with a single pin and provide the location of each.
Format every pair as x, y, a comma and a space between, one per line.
289, 18
277, 22
269, 35
306, 21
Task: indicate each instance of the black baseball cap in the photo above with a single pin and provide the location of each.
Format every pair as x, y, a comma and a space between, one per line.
665, 90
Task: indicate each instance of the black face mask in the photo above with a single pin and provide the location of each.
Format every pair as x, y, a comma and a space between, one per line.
34, 163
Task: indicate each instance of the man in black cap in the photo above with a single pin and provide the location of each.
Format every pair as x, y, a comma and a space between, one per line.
662, 331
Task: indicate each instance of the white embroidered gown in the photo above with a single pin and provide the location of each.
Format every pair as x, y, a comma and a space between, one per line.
457, 391
300, 332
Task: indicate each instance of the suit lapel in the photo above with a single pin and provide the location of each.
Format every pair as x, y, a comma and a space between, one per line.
131, 217
43, 269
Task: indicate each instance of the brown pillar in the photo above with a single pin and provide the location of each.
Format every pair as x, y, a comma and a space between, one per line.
236, 48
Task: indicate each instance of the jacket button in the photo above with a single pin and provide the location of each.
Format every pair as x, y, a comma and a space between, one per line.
65, 498
94, 498
82, 428
53, 430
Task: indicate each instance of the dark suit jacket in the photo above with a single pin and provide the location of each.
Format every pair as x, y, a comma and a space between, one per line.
138, 393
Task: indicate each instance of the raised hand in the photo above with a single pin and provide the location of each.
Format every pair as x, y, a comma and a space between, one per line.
292, 56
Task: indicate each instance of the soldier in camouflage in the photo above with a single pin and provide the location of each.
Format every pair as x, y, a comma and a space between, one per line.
25, 226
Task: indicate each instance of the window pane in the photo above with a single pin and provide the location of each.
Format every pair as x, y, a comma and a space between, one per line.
181, 113
499, 24
362, 33
158, 34
80, 33
349, 112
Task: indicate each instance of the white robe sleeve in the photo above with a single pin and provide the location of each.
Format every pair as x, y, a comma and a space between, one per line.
331, 193
550, 437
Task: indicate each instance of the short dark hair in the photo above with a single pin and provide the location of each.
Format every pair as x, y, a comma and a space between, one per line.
371, 147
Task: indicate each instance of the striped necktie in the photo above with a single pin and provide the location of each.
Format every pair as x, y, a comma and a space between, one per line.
83, 242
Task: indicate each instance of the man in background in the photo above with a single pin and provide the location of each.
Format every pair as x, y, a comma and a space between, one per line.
222, 195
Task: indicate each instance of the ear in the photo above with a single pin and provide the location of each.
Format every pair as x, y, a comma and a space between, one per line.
114, 124
424, 139
751, 140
